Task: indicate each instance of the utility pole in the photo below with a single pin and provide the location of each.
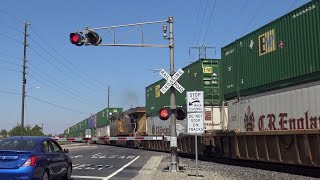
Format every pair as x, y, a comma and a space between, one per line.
42, 128
202, 51
108, 104
24, 81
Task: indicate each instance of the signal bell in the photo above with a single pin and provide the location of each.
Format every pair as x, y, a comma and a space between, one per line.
76, 39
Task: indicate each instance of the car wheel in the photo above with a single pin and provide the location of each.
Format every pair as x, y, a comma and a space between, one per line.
68, 174
45, 176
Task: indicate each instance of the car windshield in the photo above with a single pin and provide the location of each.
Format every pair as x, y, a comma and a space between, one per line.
17, 144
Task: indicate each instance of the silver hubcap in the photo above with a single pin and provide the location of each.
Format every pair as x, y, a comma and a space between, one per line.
45, 176
69, 172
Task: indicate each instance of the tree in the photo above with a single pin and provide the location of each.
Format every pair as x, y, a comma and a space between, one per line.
28, 131
3, 133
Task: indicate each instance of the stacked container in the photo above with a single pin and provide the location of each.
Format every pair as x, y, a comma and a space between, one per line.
282, 53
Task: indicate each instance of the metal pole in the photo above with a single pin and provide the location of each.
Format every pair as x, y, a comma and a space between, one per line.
24, 76
174, 167
108, 104
196, 148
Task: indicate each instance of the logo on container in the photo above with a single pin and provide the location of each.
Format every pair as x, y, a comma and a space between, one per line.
249, 120
267, 42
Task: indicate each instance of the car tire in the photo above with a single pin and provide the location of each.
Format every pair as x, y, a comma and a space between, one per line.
67, 176
45, 175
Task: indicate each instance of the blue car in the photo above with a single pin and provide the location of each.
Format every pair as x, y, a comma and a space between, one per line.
31, 158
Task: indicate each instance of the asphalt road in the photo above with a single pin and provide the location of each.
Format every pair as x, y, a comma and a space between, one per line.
108, 162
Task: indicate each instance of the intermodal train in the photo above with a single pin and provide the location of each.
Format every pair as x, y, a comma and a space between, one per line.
262, 98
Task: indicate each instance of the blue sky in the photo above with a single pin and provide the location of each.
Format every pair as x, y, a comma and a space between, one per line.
76, 78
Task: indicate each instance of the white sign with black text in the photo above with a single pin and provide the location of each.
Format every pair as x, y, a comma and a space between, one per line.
195, 111
195, 123
195, 101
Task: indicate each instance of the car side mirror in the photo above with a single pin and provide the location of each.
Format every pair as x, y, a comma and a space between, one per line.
66, 150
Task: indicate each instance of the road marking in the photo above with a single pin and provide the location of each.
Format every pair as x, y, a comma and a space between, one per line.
119, 170
87, 177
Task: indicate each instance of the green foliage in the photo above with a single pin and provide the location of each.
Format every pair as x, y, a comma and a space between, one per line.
3, 132
28, 131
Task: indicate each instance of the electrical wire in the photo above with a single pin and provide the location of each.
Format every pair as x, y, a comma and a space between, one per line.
212, 11
58, 68
61, 87
9, 92
65, 65
16, 64
13, 17
203, 17
8, 69
64, 58
6, 55
293, 3
61, 107
13, 28
2, 34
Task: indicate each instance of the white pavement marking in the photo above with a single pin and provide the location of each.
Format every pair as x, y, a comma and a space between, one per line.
87, 177
119, 170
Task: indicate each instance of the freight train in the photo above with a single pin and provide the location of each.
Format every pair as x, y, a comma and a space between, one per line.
262, 98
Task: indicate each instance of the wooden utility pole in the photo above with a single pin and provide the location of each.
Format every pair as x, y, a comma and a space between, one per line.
24, 81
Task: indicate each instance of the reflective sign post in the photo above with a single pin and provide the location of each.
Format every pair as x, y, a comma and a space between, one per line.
195, 111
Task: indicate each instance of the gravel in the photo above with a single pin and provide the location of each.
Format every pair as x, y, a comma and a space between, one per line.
215, 171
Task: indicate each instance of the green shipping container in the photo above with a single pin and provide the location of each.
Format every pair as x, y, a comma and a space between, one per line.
202, 75
282, 53
103, 118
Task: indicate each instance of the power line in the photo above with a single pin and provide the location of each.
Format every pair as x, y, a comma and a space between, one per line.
293, 3
61, 87
62, 107
13, 17
74, 66
13, 28
6, 55
64, 64
9, 92
58, 68
2, 34
16, 64
204, 14
8, 69
213, 8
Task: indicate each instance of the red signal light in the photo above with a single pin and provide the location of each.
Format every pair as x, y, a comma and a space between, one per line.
164, 114
76, 39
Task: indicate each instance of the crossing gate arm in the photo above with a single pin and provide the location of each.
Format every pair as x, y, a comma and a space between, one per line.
136, 138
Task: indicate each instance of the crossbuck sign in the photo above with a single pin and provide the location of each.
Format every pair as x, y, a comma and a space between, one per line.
171, 81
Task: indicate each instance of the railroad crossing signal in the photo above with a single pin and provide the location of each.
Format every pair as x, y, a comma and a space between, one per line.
164, 113
90, 38
171, 81
76, 39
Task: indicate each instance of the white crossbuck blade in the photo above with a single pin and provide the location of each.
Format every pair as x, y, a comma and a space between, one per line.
171, 81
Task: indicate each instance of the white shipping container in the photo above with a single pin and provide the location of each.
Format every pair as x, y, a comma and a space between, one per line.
215, 118
290, 108
103, 131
